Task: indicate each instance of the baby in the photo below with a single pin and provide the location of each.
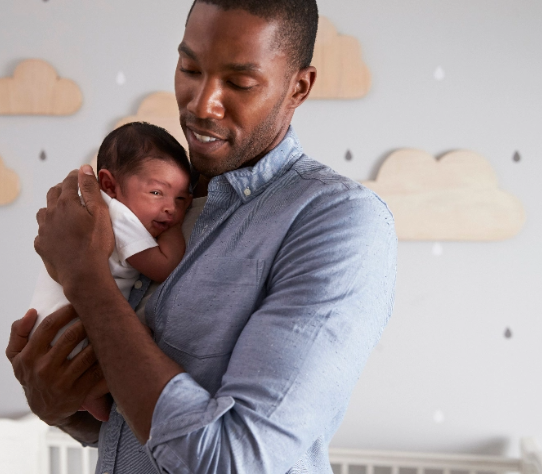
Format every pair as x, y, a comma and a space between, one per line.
144, 175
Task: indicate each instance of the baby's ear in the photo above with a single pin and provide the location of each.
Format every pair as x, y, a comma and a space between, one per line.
108, 183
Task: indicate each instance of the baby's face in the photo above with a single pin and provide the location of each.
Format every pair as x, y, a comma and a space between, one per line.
158, 195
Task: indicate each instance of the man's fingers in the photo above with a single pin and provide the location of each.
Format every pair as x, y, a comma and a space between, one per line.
69, 187
20, 331
71, 335
98, 390
90, 189
40, 215
81, 362
49, 327
89, 379
53, 194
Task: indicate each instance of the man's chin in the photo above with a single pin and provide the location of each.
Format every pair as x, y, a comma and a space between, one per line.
205, 166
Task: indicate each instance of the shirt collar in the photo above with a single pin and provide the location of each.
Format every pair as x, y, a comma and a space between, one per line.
248, 182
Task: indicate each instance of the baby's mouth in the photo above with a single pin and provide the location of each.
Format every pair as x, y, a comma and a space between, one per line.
161, 226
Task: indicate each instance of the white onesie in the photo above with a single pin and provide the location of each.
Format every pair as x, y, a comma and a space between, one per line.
131, 237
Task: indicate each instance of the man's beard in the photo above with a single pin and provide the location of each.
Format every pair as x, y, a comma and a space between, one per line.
241, 153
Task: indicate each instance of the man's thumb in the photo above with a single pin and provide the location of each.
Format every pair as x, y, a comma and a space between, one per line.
89, 187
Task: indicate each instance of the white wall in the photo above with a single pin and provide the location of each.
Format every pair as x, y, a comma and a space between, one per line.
444, 349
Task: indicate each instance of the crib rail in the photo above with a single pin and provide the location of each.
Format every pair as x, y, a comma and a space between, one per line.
344, 461
64, 455
57, 453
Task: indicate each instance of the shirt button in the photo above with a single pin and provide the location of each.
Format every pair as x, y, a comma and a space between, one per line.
138, 284
248, 192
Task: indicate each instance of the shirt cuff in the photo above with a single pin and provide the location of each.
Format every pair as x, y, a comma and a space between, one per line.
182, 408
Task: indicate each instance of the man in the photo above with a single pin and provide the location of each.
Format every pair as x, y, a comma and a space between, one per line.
261, 332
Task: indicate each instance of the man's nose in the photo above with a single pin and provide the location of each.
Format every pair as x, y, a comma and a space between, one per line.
207, 101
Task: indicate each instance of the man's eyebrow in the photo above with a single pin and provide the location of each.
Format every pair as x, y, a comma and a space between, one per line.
183, 48
243, 67
235, 67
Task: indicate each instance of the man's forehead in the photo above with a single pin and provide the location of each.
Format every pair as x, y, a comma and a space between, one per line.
208, 24
233, 66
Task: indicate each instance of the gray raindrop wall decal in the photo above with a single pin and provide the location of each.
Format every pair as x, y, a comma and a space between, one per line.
348, 156
508, 333
43, 156
517, 157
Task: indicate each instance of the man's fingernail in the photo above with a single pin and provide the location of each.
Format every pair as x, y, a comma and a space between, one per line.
87, 169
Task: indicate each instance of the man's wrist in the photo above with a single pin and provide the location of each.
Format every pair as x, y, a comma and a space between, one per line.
81, 426
87, 281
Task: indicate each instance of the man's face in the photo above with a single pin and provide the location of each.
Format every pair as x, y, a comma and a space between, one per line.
232, 87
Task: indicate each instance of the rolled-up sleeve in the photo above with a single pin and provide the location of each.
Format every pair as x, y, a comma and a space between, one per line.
329, 294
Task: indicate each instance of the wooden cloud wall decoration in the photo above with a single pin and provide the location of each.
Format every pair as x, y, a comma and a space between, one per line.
454, 198
342, 74
36, 89
9, 184
158, 108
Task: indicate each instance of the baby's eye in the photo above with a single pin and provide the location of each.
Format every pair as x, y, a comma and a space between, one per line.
156, 193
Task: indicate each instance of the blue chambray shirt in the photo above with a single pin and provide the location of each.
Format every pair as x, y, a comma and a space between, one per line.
285, 287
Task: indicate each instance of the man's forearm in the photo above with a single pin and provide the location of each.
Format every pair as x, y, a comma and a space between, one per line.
135, 369
83, 427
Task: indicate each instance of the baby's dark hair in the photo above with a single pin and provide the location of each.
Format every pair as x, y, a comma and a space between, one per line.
126, 148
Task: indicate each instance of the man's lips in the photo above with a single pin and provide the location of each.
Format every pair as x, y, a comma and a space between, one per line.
203, 140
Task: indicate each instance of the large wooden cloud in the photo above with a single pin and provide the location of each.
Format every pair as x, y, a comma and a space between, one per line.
454, 198
158, 108
9, 184
36, 89
342, 74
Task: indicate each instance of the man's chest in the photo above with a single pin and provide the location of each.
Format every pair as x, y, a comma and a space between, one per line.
200, 312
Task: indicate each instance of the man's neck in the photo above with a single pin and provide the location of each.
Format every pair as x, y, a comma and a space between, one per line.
201, 187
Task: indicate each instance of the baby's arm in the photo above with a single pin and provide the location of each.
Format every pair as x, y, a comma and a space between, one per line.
158, 262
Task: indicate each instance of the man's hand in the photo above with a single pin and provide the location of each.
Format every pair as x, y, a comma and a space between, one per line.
54, 386
75, 240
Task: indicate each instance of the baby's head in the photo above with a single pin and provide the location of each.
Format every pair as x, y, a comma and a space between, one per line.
145, 168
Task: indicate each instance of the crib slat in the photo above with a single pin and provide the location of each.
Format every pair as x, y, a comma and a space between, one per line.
63, 459
85, 460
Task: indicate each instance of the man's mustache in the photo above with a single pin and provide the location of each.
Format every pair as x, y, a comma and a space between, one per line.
205, 125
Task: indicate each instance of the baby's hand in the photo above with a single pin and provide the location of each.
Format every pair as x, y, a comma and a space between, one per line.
98, 401
99, 407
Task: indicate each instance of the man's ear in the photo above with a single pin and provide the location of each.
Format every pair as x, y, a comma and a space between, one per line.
108, 183
304, 80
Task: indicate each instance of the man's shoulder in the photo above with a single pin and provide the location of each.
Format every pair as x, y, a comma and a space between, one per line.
323, 183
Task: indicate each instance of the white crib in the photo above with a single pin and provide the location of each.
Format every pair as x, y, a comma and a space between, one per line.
344, 461
28, 446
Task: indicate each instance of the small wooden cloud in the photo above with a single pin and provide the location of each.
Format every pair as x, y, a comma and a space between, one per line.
158, 108
9, 184
36, 89
454, 198
342, 74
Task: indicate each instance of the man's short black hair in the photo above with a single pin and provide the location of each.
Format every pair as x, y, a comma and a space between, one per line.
126, 148
298, 23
